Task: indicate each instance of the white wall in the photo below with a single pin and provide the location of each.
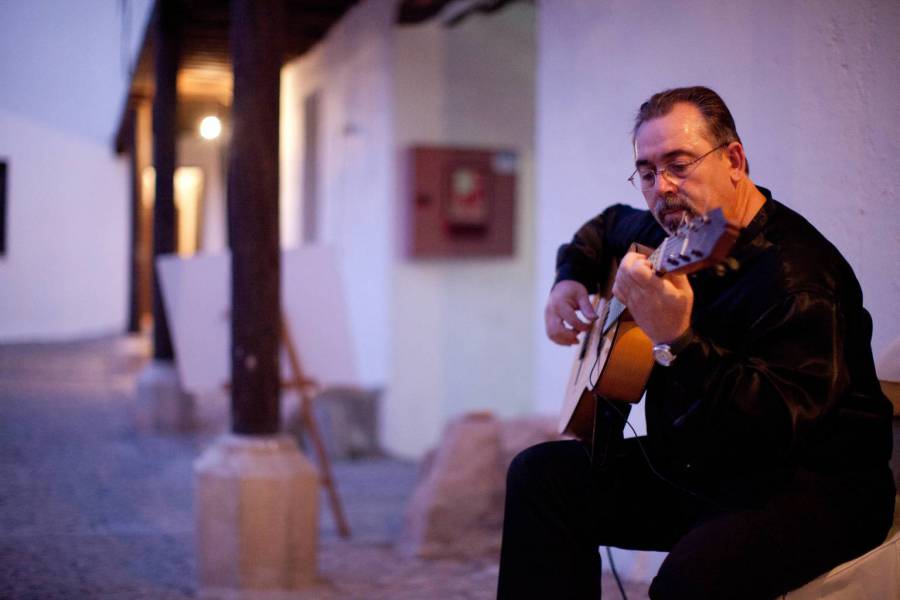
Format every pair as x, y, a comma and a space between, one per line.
351, 69
442, 337
813, 87
67, 224
63, 63
64, 273
463, 327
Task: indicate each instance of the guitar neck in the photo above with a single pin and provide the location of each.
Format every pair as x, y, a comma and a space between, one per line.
615, 307
702, 242
615, 310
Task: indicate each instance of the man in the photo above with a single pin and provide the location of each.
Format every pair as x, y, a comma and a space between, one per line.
768, 436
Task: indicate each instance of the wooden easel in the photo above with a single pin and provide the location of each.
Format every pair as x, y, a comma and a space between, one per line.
306, 387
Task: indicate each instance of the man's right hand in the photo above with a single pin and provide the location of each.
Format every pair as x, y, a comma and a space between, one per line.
560, 318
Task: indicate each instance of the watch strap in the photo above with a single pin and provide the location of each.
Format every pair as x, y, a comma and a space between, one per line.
682, 341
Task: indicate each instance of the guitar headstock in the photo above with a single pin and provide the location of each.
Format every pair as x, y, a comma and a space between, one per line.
702, 242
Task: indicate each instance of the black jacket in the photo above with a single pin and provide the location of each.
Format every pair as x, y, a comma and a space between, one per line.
779, 375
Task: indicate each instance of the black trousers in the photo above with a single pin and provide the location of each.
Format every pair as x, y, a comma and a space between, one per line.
560, 508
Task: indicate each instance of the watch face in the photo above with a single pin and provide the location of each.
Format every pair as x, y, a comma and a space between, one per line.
663, 354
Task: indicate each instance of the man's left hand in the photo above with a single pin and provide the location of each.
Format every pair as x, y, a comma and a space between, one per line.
661, 306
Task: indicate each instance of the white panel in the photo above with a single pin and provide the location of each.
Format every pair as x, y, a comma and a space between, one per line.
197, 293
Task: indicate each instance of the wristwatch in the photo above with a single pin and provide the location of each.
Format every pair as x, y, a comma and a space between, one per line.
665, 354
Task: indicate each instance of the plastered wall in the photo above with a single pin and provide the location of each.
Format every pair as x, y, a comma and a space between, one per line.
440, 337
64, 273
350, 70
813, 87
63, 68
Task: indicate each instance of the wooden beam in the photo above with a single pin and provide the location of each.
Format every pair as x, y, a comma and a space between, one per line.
205, 35
256, 38
130, 142
144, 244
167, 51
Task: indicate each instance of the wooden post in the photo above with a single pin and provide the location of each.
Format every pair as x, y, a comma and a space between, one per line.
305, 388
134, 317
166, 54
253, 216
144, 244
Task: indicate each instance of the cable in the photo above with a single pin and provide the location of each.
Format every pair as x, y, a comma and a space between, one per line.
597, 368
612, 567
653, 470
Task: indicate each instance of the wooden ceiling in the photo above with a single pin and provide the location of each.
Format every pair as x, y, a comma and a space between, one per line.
205, 72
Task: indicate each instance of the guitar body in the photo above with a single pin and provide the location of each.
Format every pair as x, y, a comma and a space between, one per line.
615, 365
615, 357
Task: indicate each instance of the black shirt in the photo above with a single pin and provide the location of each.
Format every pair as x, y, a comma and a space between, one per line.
779, 374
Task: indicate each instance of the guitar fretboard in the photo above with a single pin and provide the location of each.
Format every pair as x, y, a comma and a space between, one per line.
616, 308
694, 246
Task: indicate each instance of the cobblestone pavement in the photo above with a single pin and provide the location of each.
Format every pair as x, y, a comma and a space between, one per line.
93, 507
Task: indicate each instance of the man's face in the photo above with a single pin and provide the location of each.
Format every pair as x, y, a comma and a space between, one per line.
681, 136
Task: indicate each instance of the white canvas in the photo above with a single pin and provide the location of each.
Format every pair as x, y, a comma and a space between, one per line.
197, 293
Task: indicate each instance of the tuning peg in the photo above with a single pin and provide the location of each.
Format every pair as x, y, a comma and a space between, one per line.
732, 263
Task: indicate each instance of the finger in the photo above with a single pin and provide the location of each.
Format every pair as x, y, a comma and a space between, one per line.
680, 281
631, 257
553, 323
625, 286
561, 334
640, 271
620, 290
586, 308
571, 318
566, 339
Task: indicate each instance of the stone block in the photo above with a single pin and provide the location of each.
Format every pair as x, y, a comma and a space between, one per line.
162, 405
256, 499
457, 507
347, 418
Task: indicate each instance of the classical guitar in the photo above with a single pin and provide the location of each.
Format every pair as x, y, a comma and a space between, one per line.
615, 356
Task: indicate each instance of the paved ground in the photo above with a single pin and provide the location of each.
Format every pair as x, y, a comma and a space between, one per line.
92, 507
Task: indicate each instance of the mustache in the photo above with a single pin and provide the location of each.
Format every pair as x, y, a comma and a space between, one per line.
672, 202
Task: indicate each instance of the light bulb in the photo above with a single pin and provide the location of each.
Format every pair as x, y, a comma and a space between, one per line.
210, 127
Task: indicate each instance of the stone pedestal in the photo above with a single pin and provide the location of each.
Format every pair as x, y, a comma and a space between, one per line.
457, 507
162, 404
256, 499
347, 419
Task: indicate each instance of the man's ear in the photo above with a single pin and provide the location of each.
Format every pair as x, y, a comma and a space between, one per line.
737, 161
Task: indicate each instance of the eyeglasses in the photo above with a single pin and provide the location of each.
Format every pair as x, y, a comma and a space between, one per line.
644, 178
